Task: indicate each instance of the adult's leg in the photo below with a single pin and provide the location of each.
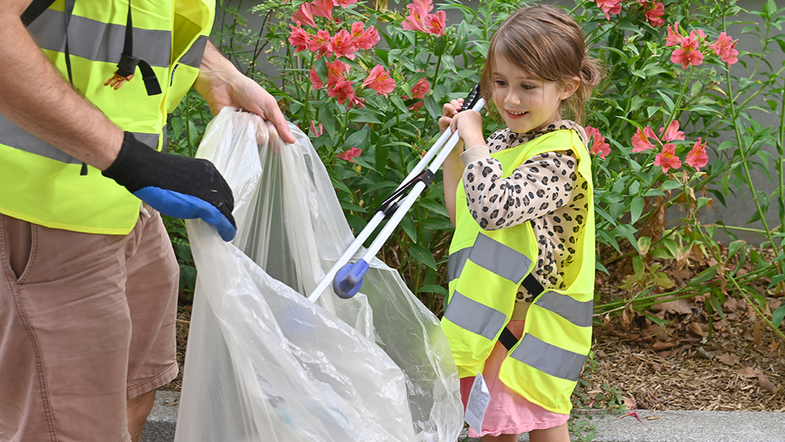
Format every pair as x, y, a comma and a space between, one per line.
151, 291
138, 409
555, 434
64, 335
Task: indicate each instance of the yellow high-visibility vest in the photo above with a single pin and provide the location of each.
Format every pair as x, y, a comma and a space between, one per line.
42, 184
486, 267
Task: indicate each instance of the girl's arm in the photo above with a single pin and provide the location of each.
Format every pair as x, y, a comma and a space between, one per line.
540, 186
469, 127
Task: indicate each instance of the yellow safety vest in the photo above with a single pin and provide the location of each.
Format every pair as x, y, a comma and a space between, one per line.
42, 184
486, 267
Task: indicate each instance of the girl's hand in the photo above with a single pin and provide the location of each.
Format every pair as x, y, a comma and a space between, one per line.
449, 110
468, 124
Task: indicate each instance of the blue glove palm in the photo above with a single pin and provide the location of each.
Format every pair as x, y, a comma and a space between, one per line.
177, 186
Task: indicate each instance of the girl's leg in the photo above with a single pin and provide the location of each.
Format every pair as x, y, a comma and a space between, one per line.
555, 434
501, 438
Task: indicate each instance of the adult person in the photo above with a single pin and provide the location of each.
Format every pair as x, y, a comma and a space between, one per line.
88, 280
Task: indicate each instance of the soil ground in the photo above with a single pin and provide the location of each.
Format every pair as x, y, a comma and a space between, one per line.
675, 365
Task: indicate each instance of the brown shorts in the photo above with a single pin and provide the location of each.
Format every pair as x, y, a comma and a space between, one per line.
86, 323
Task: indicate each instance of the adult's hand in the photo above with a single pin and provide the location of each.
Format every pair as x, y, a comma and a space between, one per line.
221, 85
175, 185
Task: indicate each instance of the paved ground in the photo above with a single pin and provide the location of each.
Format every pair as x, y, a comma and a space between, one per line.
655, 426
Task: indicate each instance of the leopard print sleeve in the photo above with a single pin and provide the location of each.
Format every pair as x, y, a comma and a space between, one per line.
540, 186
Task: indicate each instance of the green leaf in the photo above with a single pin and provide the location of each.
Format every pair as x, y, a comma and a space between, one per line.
778, 315
704, 276
422, 255
669, 105
359, 139
628, 232
461, 38
734, 247
433, 288
636, 208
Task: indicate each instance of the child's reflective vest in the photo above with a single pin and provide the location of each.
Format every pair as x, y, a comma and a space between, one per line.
485, 270
42, 184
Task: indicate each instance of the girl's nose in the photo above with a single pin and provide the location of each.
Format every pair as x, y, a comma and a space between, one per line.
512, 98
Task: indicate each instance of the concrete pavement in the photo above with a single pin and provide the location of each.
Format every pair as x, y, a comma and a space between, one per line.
655, 426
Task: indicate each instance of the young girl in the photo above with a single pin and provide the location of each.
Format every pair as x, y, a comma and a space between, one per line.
522, 260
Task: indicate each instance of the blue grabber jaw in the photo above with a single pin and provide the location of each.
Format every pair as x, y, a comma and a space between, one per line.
349, 279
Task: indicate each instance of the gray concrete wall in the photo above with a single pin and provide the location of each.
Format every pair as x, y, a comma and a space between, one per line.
739, 209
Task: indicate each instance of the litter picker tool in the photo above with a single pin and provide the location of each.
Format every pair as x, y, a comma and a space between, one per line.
347, 278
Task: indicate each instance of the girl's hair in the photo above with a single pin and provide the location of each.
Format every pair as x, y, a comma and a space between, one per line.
548, 45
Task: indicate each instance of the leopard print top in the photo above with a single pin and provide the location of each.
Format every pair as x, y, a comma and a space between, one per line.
545, 190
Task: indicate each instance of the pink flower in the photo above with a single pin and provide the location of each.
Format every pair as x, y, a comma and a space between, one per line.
435, 23
316, 82
598, 145
343, 91
419, 18
640, 141
697, 157
654, 14
674, 37
335, 73
304, 16
351, 154
688, 53
323, 8
343, 44
364, 38
667, 159
672, 133
421, 88
725, 47
345, 3
380, 81
299, 38
317, 130
418, 9
609, 7
321, 44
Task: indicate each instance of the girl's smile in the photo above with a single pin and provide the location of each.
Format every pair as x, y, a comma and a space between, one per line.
525, 103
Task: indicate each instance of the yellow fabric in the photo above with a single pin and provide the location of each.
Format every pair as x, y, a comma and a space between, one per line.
470, 349
54, 194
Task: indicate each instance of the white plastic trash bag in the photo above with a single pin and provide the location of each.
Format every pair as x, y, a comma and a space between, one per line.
263, 362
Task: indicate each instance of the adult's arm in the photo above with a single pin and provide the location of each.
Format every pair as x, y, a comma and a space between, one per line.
221, 84
38, 99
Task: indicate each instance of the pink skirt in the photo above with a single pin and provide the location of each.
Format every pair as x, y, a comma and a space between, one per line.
508, 412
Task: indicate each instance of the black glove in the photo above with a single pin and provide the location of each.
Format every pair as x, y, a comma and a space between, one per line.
177, 186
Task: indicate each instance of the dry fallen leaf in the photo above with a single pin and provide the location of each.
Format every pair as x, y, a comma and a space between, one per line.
695, 328
728, 358
679, 306
660, 345
747, 372
767, 384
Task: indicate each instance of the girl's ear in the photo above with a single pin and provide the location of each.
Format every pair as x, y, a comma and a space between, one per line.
569, 87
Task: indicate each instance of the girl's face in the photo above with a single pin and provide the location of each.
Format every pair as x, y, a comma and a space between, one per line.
526, 103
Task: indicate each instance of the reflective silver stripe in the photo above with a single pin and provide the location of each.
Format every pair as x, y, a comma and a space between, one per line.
99, 41
549, 358
474, 317
193, 57
499, 259
14, 136
456, 262
577, 312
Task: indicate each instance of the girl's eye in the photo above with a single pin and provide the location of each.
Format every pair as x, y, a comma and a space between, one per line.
501, 83
528, 87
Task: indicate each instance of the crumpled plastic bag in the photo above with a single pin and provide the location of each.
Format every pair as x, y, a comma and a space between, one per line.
265, 364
